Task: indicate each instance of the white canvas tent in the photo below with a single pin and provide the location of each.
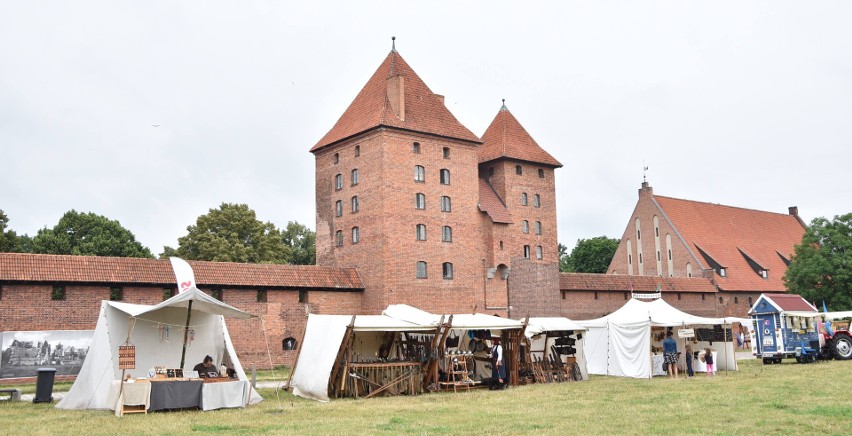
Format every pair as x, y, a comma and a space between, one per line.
620, 343
462, 321
537, 327
323, 338
324, 335
145, 327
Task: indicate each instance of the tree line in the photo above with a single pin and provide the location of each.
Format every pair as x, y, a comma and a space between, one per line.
230, 233
820, 269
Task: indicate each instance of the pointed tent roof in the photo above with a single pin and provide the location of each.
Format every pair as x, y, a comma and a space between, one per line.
424, 110
507, 138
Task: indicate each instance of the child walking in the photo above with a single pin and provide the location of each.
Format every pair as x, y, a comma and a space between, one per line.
708, 359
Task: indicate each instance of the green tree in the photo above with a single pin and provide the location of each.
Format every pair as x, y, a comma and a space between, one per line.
302, 241
564, 258
88, 234
232, 233
821, 267
10, 242
590, 255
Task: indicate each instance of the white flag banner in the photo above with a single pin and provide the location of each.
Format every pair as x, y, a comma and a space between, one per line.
183, 273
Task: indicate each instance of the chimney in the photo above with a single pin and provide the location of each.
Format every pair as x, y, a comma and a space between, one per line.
396, 95
646, 189
440, 97
794, 210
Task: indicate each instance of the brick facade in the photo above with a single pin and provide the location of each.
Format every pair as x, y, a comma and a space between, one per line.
742, 252
30, 307
490, 271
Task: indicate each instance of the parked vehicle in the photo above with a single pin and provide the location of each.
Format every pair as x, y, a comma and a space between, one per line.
787, 326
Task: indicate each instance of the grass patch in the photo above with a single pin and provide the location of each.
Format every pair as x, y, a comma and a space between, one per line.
753, 400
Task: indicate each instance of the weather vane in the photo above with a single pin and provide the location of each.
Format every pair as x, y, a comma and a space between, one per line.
644, 173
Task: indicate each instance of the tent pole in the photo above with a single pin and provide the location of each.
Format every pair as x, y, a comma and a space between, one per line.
725, 334
296, 359
186, 334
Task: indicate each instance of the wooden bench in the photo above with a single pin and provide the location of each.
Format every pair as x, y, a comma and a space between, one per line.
14, 394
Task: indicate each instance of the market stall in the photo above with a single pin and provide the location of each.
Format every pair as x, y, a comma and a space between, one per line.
144, 345
554, 351
404, 351
361, 356
628, 342
465, 346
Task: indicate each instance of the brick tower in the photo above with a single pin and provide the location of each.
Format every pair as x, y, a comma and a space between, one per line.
396, 196
521, 243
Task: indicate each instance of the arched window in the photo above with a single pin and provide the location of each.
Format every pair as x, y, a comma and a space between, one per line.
355, 204
446, 204
421, 270
338, 236
356, 235
338, 208
336, 158
536, 201
519, 170
420, 232
445, 176
688, 269
354, 177
539, 253
415, 148
524, 201
419, 173
357, 150
540, 173
419, 201
446, 152
338, 181
527, 251
538, 227
525, 226
447, 270
447, 234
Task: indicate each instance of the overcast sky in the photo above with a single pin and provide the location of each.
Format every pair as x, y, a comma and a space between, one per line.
741, 103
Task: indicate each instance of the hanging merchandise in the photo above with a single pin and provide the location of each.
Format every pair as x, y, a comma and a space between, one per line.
164, 333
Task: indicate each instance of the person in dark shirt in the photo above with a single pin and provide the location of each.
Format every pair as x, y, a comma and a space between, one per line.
204, 367
670, 354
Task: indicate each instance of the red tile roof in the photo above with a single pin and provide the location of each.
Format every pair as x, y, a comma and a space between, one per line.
618, 282
507, 138
424, 110
125, 270
728, 234
789, 302
490, 203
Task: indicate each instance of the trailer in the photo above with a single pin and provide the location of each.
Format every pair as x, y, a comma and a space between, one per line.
785, 326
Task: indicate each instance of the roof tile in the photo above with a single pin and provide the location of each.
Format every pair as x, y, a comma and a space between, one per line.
490, 203
618, 282
726, 233
125, 270
424, 110
507, 138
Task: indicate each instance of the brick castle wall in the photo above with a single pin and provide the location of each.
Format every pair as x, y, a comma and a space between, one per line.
30, 308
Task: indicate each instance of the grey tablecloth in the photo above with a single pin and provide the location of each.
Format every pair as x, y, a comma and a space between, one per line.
224, 394
184, 394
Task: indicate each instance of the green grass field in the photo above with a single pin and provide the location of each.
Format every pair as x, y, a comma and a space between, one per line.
788, 398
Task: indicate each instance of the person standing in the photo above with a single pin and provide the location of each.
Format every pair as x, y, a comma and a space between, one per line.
689, 357
670, 354
708, 359
498, 369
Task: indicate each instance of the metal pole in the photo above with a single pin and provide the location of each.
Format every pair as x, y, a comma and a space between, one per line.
186, 334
